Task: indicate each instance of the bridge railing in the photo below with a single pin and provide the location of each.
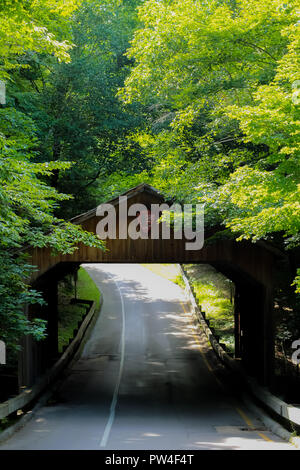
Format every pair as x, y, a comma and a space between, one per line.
32, 393
288, 414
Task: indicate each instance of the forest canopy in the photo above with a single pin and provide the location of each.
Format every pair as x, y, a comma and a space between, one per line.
199, 98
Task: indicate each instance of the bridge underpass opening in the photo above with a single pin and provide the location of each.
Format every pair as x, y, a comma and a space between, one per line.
250, 266
245, 320
61, 287
214, 292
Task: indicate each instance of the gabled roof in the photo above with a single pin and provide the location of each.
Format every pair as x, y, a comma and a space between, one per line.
141, 188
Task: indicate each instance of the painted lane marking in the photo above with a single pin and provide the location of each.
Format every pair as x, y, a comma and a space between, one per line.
113, 405
251, 425
241, 413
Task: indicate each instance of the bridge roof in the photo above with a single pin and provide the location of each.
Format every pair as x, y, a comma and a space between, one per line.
133, 192
151, 191
234, 259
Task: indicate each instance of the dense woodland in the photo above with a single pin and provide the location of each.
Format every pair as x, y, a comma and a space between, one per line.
199, 98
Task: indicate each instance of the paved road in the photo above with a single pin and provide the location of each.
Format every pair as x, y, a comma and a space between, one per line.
144, 380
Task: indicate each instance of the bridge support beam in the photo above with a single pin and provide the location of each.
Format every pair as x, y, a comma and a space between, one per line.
26, 365
36, 356
269, 336
237, 326
254, 335
50, 314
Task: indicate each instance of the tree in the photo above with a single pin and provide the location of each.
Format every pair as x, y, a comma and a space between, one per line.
227, 76
27, 202
270, 200
77, 114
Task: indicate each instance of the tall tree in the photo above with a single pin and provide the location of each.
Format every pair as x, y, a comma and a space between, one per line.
225, 77
77, 113
27, 205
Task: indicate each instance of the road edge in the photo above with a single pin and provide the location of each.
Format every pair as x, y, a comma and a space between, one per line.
73, 352
229, 362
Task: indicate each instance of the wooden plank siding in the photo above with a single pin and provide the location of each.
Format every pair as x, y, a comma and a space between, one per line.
242, 258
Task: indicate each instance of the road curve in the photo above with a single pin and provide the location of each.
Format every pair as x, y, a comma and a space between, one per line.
144, 381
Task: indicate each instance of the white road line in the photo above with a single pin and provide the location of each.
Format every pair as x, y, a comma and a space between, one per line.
113, 405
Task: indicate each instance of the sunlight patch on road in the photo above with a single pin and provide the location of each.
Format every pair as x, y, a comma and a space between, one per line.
168, 271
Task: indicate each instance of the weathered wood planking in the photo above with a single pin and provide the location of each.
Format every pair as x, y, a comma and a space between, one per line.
235, 259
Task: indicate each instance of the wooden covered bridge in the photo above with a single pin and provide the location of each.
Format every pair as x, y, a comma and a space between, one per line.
250, 266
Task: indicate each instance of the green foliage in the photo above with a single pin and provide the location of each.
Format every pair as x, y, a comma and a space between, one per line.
204, 105
27, 202
297, 281
14, 294
77, 114
270, 201
39, 26
70, 314
223, 81
26, 217
215, 295
259, 203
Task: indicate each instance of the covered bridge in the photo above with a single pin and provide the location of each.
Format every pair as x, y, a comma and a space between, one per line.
249, 265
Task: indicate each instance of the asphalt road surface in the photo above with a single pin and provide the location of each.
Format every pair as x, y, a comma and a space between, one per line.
145, 380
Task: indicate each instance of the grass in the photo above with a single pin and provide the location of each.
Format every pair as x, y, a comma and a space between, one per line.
8, 421
214, 293
72, 314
